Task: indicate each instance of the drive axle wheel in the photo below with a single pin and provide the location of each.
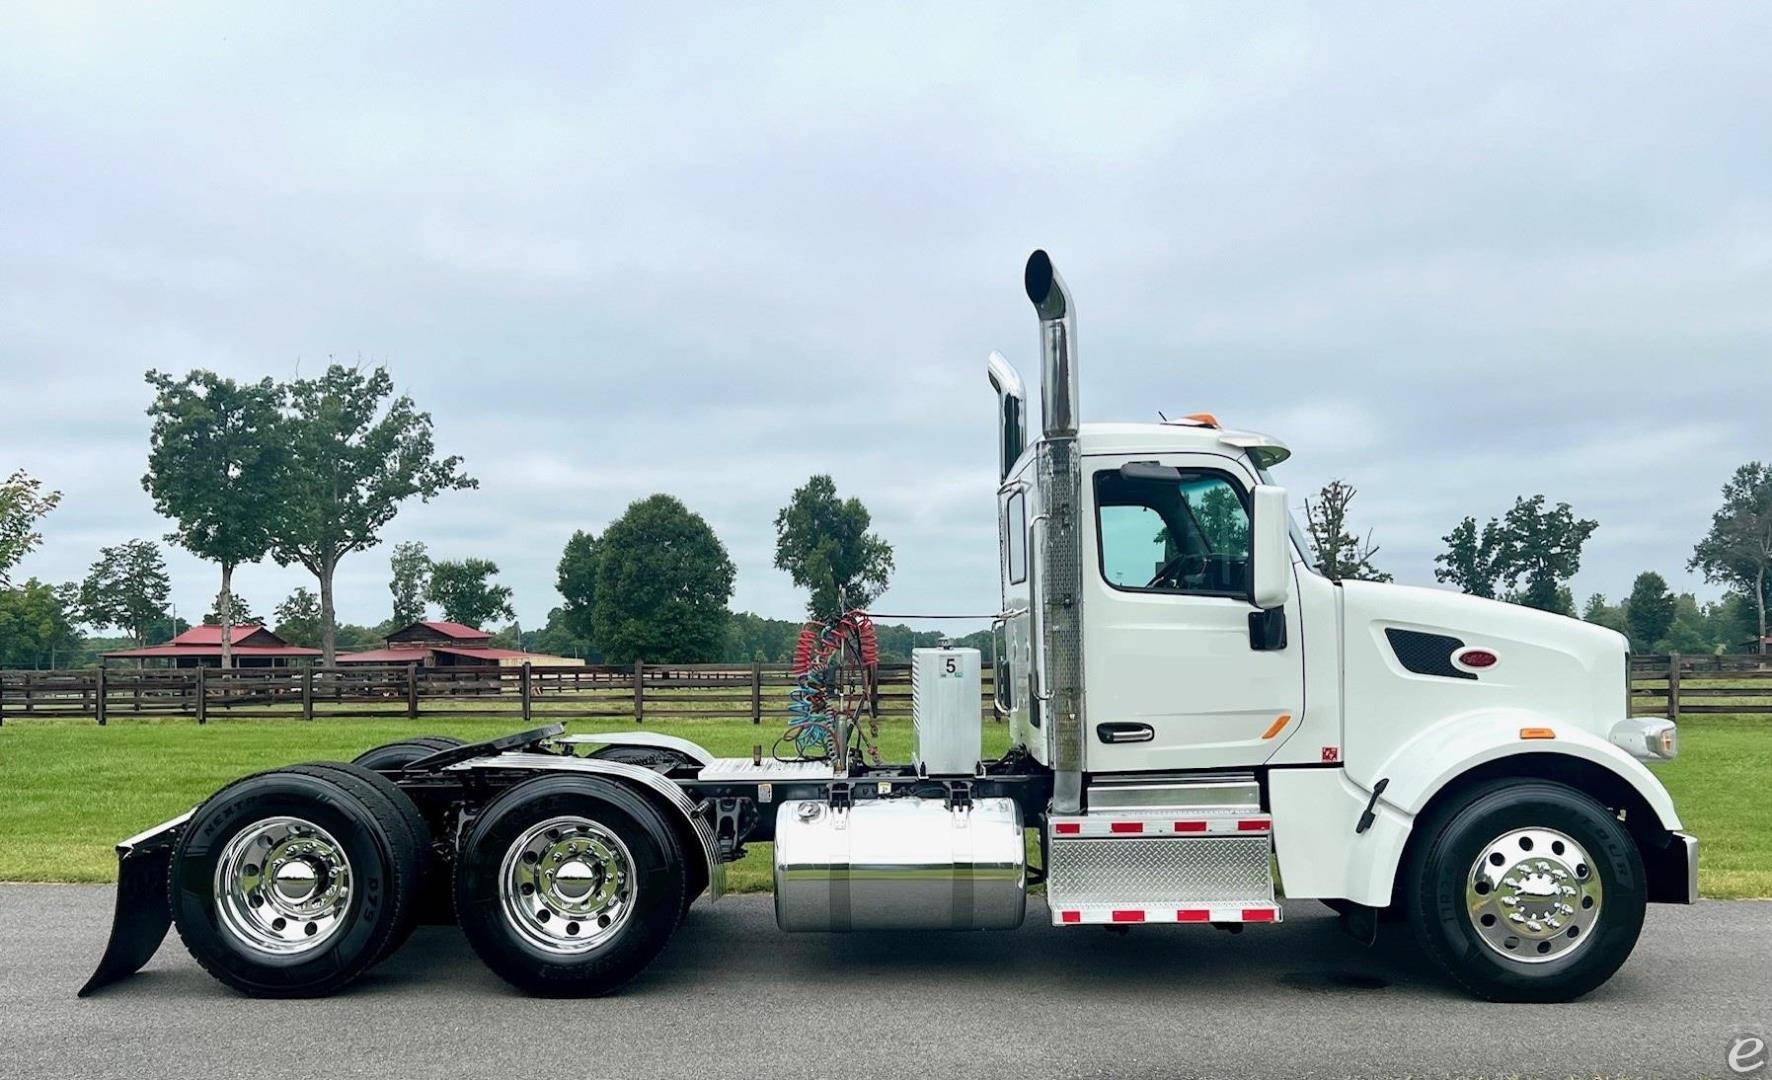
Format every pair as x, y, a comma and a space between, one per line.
1527, 891
294, 882
569, 885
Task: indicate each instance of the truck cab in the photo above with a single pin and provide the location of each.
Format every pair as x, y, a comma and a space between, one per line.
1165, 637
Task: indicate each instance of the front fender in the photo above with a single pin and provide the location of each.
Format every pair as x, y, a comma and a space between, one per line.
1327, 847
1441, 752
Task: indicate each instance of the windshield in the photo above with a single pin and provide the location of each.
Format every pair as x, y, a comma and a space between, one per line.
1299, 539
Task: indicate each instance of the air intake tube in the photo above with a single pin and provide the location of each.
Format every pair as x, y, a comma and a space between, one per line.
1058, 679
1012, 405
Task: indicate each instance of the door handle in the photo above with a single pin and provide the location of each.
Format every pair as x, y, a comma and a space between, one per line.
1124, 733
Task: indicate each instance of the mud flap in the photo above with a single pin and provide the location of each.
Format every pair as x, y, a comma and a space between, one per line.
143, 912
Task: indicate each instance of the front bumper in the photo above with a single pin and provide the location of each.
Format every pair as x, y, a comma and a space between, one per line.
1673, 870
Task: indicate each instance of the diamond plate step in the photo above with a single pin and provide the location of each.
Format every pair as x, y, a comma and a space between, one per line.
1153, 866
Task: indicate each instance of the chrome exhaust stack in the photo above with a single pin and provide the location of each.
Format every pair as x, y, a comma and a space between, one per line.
1057, 678
1058, 345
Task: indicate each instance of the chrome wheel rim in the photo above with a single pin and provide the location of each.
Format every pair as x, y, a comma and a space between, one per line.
283, 886
567, 885
1533, 895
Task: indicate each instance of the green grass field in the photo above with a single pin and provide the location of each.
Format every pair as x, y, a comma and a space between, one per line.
70, 790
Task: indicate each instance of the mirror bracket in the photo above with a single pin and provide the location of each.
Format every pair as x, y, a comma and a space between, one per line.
1267, 630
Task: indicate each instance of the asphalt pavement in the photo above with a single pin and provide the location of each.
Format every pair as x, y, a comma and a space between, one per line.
734, 997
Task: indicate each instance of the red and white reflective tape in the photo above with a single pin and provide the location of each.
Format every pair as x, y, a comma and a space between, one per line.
1109, 914
1160, 825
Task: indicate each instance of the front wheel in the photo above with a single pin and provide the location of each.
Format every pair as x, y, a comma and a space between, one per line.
568, 886
1527, 891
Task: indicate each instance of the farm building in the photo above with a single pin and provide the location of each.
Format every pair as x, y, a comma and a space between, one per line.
254, 646
436, 643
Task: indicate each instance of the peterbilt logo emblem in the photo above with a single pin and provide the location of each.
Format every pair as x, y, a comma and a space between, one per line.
1474, 659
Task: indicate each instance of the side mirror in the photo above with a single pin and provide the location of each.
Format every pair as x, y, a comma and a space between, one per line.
1270, 555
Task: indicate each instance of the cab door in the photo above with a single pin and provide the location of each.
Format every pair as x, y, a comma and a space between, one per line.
1177, 674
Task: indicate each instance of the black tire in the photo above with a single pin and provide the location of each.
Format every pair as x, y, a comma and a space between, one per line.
663, 759
372, 836
660, 758
431, 891
391, 757
1445, 863
657, 882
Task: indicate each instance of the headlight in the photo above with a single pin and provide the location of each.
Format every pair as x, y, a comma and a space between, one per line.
1648, 738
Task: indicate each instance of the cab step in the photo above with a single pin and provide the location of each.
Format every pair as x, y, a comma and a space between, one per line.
1190, 856
1101, 914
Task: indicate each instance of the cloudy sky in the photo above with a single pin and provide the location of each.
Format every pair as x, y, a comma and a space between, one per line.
1450, 255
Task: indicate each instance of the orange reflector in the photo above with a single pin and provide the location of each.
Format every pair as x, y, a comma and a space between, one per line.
1537, 733
1279, 725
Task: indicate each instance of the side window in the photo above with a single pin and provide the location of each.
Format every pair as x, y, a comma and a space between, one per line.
1184, 533
1015, 523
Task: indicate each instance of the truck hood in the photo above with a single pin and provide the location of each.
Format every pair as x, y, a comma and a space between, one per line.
1399, 641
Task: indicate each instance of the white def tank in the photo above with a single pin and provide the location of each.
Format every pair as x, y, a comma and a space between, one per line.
946, 711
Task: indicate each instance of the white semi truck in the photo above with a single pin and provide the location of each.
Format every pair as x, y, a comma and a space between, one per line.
1200, 723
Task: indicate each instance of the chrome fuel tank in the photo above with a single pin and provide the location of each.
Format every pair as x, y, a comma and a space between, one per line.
900, 864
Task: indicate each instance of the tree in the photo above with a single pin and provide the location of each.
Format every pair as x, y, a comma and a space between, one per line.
1601, 613
1738, 549
1341, 553
1650, 613
37, 627
22, 503
576, 578
1530, 544
466, 593
1542, 548
663, 579
1472, 560
558, 639
356, 452
215, 463
824, 544
126, 589
412, 574
241, 615
298, 618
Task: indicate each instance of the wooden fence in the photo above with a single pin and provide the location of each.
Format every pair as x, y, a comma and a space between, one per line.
1676, 685
755, 692
1660, 685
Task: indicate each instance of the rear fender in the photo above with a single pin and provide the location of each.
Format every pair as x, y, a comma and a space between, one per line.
665, 792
